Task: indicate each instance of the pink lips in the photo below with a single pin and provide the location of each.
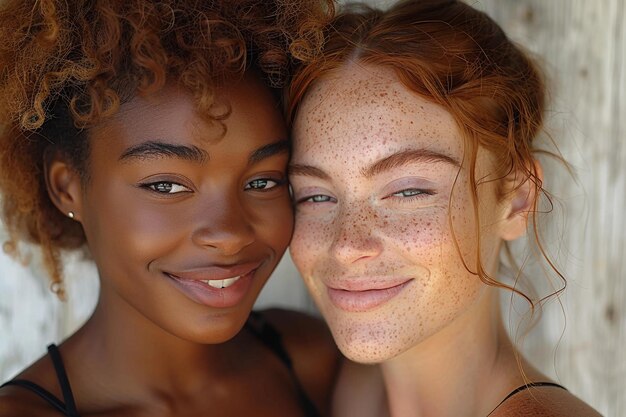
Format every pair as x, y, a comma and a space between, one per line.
365, 294
189, 282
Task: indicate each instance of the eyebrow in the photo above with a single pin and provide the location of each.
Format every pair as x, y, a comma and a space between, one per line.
269, 150
160, 149
389, 162
407, 157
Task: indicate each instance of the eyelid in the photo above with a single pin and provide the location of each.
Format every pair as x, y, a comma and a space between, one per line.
149, 186
408, 183
278, 181
306, 193
176, 179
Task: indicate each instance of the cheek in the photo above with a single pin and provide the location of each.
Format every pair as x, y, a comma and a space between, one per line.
273, 222
308, 242
417, 237
416, 232
121, 223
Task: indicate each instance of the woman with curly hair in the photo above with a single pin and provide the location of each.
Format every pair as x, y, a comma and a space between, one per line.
413, 165
149, 133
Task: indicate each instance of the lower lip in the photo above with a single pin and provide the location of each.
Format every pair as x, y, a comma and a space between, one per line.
359, 301
203, 293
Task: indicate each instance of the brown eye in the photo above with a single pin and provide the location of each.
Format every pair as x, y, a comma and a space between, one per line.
262, 184
166, 187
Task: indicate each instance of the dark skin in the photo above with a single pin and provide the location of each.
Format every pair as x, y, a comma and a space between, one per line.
167, 205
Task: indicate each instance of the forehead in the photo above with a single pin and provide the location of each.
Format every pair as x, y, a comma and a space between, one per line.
367, 108
253, 118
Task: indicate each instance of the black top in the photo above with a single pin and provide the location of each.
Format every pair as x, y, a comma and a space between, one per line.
526, 386
266, 333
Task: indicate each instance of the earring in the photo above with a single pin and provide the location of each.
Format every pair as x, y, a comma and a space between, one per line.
70, 214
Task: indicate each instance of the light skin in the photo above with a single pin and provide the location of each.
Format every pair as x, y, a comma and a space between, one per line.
167, 203
382, 194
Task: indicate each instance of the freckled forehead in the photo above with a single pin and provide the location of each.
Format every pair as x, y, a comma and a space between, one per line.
369, 108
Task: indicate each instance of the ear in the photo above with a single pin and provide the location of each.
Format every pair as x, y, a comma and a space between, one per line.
64, 185
519, 203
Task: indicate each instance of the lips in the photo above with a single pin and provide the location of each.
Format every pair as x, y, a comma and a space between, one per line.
215, 272
216, 285
364, 294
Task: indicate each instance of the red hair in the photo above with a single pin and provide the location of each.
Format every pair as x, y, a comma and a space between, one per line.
457, 57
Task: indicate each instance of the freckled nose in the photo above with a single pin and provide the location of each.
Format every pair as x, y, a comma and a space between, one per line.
354, 240
224, 227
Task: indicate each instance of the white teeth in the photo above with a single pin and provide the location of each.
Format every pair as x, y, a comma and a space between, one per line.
221, 283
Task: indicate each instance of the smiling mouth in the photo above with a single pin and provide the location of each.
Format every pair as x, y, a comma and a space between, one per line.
215, 287
361, 297
215, 283
221, 283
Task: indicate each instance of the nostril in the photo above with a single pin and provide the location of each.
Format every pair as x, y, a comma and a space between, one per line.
227, 240
355, 244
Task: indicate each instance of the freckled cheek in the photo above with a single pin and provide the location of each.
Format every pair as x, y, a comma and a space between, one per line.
416, 231
310, 239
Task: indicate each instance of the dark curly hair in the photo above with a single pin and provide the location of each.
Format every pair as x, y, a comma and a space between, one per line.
67, 65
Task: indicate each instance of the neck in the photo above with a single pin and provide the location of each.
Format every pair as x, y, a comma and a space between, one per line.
465, 369
126, 357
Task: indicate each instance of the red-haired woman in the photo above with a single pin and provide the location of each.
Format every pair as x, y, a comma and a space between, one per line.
413, 165
149, 134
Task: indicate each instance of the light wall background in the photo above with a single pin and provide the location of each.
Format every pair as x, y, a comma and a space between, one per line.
581, 337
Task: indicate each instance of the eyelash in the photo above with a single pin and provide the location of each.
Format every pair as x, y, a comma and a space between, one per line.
312, 197
419, 194
154, 187
277, 183
158, 187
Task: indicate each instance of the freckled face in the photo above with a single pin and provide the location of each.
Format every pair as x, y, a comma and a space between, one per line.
169, 207
373, 172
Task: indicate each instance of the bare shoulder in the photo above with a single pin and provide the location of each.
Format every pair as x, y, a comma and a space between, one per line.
312, 350
544, 402
17, 402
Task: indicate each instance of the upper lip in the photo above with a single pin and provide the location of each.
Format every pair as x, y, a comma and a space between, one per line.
215, 272
367, 283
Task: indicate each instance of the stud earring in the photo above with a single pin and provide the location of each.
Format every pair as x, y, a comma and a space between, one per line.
70, 214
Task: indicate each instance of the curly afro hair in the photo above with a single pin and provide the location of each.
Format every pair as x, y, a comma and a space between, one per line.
67, 65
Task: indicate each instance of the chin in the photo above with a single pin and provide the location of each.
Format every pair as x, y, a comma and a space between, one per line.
214, 329
370, 344
369, 351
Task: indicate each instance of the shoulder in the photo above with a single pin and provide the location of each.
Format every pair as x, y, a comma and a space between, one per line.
313, 352
544, 402
17, 402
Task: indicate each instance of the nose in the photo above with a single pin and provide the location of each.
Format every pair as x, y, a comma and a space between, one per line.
354, 240
223, 226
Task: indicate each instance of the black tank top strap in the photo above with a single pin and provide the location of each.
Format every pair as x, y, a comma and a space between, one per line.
68, 407
38, 390
64, 382
527, 386
271, 338
532, 385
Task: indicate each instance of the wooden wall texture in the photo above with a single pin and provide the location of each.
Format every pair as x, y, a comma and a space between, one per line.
581, 338
583, 48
